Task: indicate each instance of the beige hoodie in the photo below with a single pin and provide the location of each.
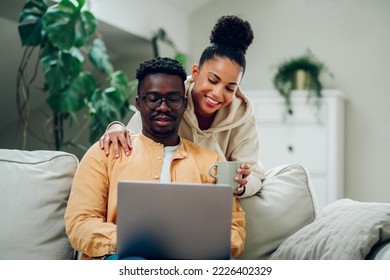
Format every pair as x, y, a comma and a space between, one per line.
233, 134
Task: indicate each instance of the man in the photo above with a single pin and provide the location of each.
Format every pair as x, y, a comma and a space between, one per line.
158, 154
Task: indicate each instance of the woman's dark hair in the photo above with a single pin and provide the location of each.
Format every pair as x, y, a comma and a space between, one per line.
230, 38
157, 65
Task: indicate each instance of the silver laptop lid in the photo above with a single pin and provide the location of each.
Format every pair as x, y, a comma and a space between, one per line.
174, 221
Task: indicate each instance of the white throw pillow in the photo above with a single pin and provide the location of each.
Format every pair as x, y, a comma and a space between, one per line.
343, 230
34, 188
285, 204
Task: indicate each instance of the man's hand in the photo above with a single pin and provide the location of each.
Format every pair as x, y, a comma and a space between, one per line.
119, 136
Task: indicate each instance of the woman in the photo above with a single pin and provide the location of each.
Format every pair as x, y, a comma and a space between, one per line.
219, 116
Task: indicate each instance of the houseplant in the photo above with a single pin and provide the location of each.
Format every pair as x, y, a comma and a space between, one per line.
302, 72
64, 34
164, 46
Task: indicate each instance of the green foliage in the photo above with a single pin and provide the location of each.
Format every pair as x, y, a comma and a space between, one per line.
64, 33
284, 83
161, 37
31, 21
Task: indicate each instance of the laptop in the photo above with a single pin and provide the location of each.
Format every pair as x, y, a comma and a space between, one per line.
174, 221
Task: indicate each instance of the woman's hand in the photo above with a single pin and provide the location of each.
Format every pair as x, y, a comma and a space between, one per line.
244, 171
115, 134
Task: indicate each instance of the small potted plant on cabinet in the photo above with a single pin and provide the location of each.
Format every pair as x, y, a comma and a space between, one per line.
300, 73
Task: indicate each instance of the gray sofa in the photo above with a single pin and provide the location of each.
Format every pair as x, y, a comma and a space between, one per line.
282, 220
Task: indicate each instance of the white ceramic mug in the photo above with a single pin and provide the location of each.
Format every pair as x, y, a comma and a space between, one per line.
225, 172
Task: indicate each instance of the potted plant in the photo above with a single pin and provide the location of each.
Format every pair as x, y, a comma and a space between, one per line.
301, 72
64, 33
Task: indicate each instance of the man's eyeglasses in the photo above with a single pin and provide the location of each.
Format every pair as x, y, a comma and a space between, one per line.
153, 101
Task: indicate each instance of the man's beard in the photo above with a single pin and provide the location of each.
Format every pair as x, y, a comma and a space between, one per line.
164, 134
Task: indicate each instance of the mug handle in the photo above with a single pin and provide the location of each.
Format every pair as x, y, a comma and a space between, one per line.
210, 171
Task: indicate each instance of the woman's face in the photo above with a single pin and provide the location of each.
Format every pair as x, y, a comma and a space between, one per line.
215, 84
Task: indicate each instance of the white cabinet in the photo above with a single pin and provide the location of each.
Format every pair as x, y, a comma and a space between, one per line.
310, 137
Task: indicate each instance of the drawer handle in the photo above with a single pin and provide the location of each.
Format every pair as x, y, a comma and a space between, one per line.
290, 148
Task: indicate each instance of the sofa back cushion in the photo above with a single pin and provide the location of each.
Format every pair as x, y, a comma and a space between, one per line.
285, 204
34, 187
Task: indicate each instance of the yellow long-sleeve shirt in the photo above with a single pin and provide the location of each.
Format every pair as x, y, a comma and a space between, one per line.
90, 217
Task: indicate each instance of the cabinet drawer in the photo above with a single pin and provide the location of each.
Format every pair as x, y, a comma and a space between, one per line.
274, 110
305, 145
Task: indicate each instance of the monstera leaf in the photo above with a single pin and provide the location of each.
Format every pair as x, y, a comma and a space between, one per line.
30, 25
99, 57
64, 33
60, 67
106, 106
67, 25
74, 97
120, 82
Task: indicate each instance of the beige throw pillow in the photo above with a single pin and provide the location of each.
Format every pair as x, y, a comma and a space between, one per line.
34, 188
285, 203
344, 230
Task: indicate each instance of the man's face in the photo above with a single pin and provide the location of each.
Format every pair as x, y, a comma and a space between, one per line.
162, 123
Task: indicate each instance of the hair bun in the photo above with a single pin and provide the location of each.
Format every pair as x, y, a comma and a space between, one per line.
232, 31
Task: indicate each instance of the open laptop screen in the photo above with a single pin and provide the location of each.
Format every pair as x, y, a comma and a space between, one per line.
174, 220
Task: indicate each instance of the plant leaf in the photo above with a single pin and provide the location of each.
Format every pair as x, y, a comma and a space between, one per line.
121, 83
133, 88
30, 25
65, 101
60, 67
84, 85
96, 130
66, 25
99, 57
85, 27
55, 76
59, 22
107, 106
74, 97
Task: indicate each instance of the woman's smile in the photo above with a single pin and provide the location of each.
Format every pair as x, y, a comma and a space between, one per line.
212, 101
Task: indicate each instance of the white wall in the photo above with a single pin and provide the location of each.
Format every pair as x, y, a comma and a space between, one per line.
145, 17
353, 38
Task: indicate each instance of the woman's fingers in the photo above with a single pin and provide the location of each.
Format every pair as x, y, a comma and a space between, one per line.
119, 137
244, 170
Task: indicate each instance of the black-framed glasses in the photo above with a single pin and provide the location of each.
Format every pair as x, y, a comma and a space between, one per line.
153, 101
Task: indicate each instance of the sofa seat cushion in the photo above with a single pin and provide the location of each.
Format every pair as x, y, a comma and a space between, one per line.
35, 187
285, 204
343, 230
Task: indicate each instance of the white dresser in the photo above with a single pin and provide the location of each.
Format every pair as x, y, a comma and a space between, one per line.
312, 138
